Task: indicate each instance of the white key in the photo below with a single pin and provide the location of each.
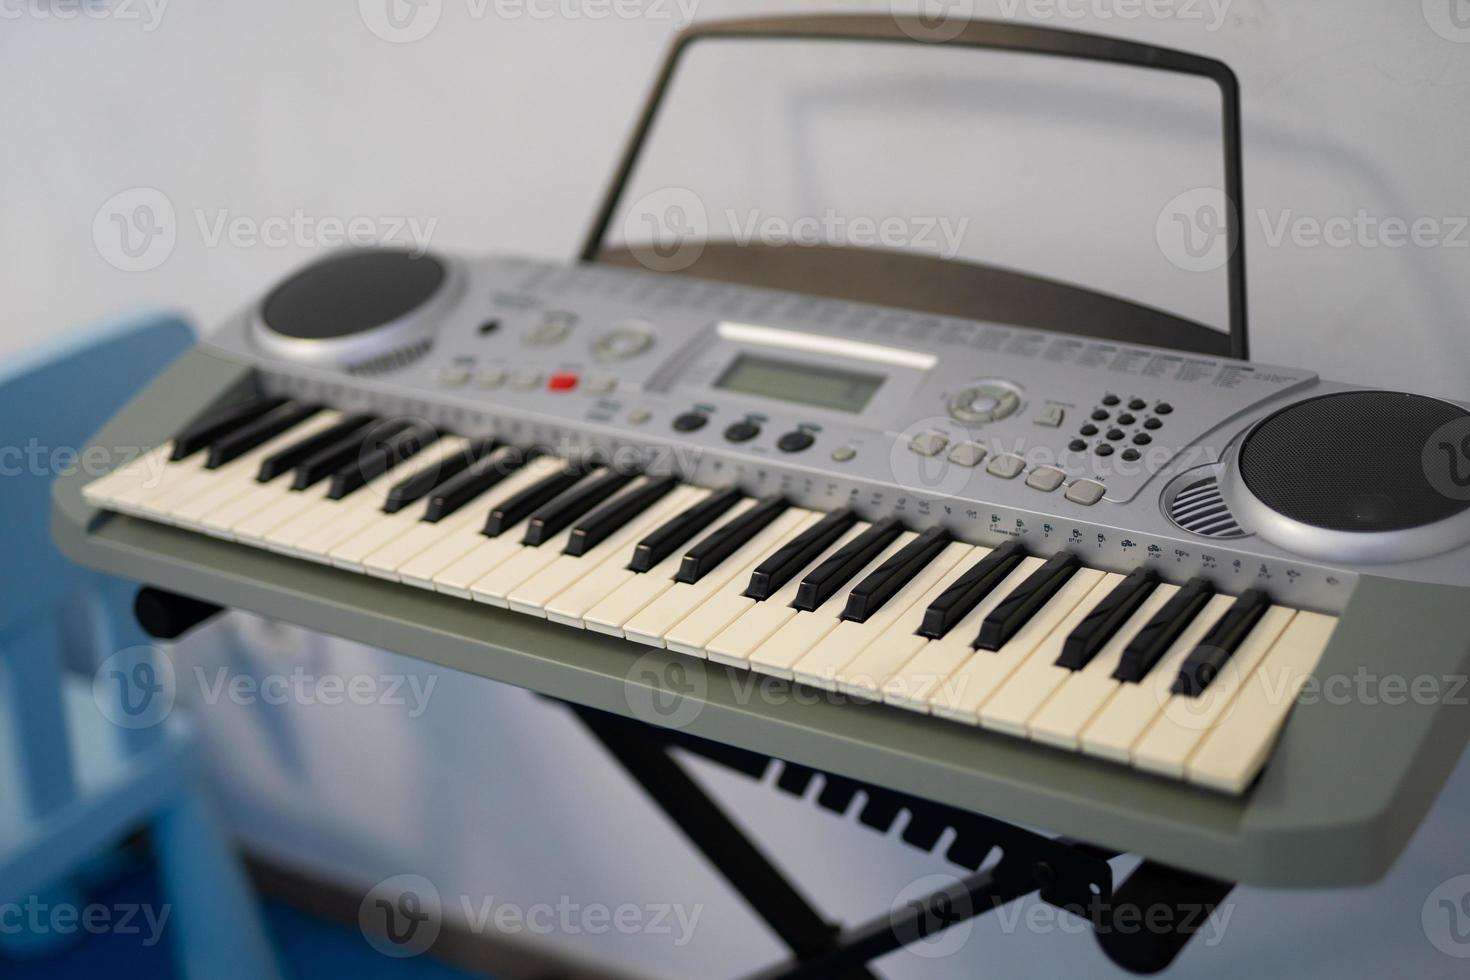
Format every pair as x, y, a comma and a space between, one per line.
1134, 706
634, 591
1234, 752
416, 540
1027, 689
783, 648
144, 470
464, 537
368, 509
236, 479
721, 609
572, 604
496, 585
1061, 720
963, 692
914, 684
141, 479
1185, 721
653, 622
489, 554
280, 506
881, 659
825, 661
754, 626
533, 595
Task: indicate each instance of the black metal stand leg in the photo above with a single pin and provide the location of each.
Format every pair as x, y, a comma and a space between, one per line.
733, 854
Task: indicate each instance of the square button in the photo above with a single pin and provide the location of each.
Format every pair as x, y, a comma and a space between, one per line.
1085, 492
1007, 466
1045, 478
929, 443
1053, 416
967, 454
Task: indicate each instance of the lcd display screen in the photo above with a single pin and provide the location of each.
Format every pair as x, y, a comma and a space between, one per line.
823, 387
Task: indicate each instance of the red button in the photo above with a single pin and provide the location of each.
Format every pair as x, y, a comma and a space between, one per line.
562, 382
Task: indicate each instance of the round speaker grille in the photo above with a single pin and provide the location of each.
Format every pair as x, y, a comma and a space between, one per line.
350, 293
1354, 461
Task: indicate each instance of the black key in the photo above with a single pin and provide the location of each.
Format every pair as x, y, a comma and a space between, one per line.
380, 453
480, 476
956, 602
551, 519
508, 513
332, 457
663, 541
720, 544
1106, 618
1205, 661
255, 434
421, 484
615, 514
293, 455
1155, 639
205, 430
770, 575
1016, 609
869, 595
822, 582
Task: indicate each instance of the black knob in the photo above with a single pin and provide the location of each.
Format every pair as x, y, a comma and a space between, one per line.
1126, 419
1115, 434
1138, 404
1152, 423
1099, 416
795, 442
1089, 429
1143, 439
690, 421
1163, 408
1077, 445
1111, 399
1105, 450
1131, 455
742, 431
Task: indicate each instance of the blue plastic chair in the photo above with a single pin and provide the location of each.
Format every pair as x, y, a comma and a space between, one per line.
73, 783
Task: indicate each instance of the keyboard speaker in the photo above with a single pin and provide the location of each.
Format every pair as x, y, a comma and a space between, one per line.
366, 311
1357, 475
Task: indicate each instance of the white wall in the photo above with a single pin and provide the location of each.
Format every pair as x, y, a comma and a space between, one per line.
503, 130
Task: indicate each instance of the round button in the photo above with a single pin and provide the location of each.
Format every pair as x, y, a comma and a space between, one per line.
1099, 416
690, 421
742, 431
1163, 408
989, 402
1142, 439
1111, 400
1152, 423
1126, 419
563, 381
1131, 455
1077, 445
1105, 450
1115, 434
1138, 404
621, 343
1088, 430
795, 442
843, 453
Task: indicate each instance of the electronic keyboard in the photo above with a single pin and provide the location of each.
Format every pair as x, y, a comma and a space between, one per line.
1089, 585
